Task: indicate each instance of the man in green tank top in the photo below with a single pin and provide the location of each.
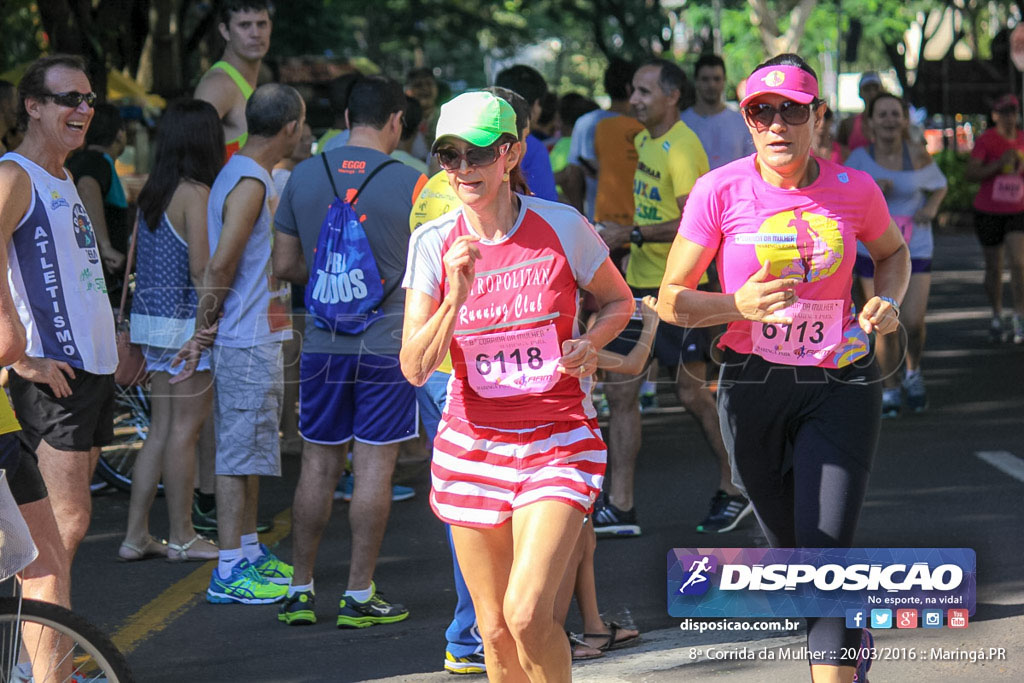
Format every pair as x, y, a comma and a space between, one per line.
245, 26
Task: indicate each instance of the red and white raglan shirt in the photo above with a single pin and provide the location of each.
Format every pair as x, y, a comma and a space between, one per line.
515, 430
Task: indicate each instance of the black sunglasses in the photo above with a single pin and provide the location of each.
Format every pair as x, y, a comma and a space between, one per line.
450, 158
71, 99
793, 113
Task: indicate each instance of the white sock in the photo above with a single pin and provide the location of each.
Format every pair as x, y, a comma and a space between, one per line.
361, 596
911, 374
226, 561
292, 590
251, 546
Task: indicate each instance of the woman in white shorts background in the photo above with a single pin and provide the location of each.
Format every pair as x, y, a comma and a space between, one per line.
172, 252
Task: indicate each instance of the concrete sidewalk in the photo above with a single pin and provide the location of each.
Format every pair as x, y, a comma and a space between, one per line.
903, 655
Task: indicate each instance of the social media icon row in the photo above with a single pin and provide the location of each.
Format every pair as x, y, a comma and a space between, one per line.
905, 618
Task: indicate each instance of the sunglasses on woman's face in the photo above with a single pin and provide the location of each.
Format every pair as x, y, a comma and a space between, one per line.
71, 99
450, 158
763, 114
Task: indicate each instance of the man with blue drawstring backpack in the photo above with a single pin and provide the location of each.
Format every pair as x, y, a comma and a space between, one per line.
342, 231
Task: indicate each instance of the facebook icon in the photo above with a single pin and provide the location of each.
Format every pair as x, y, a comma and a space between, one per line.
855, 618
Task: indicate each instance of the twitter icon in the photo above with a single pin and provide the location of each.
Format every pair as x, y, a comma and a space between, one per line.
881, 618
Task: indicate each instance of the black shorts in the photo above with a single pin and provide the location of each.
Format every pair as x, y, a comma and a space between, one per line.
22, 468
673, 345
80, 422
991, 228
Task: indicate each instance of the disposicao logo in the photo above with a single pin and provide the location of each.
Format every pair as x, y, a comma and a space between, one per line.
810, 582
697, 580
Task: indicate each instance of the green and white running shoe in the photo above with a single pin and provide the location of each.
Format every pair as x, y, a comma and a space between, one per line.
245, 585
271, 568
376, 610
297, 609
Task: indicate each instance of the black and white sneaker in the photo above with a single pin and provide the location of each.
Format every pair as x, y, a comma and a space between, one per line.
611, 521
725, 514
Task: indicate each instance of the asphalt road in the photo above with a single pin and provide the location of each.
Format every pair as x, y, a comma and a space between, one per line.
929, 488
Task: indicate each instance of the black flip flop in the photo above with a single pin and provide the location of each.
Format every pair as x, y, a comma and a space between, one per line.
610, 642
575, 642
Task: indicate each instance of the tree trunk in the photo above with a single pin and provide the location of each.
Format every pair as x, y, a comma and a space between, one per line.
765, 16
160, 63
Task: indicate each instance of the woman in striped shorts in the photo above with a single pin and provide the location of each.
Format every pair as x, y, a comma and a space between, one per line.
497, 282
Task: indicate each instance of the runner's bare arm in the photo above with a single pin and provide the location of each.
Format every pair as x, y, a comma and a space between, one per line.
977, 170
288, 261
616, 235
928, 212
429, 324
892, 275
681, 303
615, 304
14, 192
218, 89
241, 209
196, 197
426, 335
636, 360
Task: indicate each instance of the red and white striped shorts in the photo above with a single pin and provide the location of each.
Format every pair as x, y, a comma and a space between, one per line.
481, 474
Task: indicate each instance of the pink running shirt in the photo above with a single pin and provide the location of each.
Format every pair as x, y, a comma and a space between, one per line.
1002, 193
809, 234
526, 295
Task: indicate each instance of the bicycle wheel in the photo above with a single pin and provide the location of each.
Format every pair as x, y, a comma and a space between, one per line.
75, 650
131, 426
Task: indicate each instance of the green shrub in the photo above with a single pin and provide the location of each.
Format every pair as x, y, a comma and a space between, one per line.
961, 192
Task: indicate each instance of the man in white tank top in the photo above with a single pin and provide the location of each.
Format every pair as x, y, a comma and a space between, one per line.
62, 389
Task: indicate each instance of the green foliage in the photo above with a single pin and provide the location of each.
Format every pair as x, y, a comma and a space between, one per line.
961, 192
23, 38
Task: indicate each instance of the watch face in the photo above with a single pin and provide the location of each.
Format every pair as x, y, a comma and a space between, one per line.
636, 237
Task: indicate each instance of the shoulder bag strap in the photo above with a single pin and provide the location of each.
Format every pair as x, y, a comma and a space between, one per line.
398, 281
128, 268
330, 175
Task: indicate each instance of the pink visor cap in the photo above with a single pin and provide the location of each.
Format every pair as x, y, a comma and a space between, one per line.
791, 82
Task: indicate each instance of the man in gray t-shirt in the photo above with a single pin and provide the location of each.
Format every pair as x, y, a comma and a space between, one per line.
351, 386
301, 213
721, 131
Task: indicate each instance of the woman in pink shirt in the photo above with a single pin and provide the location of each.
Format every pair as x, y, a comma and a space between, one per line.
518, 458
997, 162
783, 225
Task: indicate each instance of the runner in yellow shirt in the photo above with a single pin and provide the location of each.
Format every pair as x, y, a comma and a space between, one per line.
670, 159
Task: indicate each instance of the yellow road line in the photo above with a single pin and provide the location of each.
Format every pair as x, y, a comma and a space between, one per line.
159, 612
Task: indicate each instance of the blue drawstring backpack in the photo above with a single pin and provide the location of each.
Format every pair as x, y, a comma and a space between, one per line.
345, 290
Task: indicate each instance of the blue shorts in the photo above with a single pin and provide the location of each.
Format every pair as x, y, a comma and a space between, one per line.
364, 396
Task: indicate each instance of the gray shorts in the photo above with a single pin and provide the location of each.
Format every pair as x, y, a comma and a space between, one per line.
249, 386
